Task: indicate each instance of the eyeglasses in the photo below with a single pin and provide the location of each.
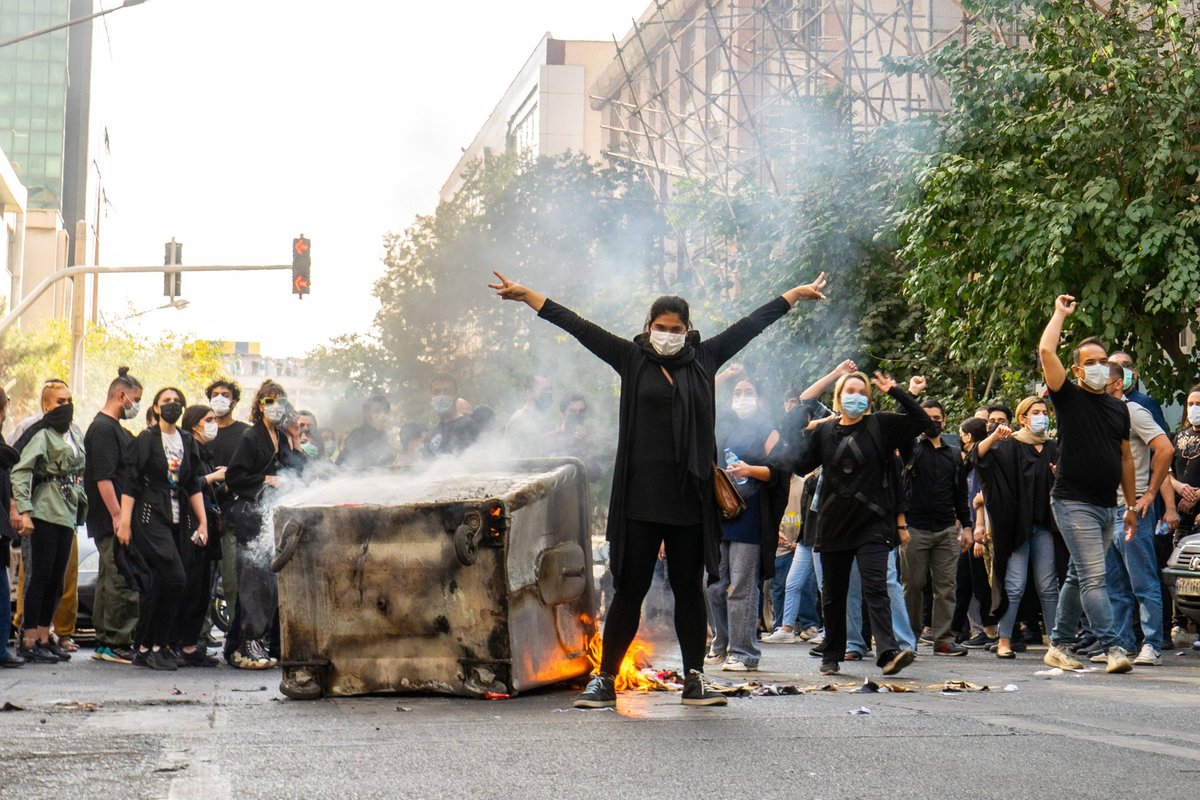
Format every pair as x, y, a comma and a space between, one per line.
270, 401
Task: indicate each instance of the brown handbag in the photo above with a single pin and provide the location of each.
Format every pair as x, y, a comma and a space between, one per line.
729, 499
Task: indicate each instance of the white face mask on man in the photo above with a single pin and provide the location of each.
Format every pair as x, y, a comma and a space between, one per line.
667, 344
1095, 376
220, 405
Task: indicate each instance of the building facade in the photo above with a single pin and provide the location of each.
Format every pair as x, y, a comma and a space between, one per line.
545, 110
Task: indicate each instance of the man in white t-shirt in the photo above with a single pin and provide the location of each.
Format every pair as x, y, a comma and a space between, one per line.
1131, 563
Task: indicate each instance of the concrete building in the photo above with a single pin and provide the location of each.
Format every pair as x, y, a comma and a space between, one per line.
245, 363
545, 110
13, 210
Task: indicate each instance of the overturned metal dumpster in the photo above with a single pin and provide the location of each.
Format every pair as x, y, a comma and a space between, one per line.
477, 583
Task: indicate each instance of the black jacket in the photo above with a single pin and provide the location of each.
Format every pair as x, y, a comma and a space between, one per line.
146, 477
629, 360
255, 459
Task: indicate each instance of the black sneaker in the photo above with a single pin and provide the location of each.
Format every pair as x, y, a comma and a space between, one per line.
196, 658
979, 641
52, 647
1084, 643
140, 658
1032, 636
696, 691
600, 693
161, 661
11, 660
817, 651
852, 655
830, 668
950, 649
37, 654
124, 654
898, 660
1018, 646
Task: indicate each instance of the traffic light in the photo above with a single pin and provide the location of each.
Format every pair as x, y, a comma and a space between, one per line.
173, 281
301, 266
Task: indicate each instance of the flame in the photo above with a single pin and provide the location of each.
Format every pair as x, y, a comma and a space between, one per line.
631, 676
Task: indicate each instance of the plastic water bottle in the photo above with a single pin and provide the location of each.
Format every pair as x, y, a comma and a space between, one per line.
731, 459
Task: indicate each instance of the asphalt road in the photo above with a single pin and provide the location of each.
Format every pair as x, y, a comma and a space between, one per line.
99, 730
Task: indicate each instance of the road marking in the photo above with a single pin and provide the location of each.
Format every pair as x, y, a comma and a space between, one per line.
1124, 740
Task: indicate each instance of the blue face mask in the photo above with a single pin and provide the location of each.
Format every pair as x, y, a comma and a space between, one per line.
1039, 424
855, 405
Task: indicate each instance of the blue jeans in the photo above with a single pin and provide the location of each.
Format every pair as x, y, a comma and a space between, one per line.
5, 606
1087, 531
1038, 551
1132, 570
800, 601
901, 627
733, 603
783, 564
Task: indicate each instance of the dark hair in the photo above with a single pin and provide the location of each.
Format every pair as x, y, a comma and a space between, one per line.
443, 378
670, 304
1115, 370
225, 383
484, 417
373, 400
124, 382
931, 403
572, 396
1002, 408
164, 390
269, 388
1194, 389
151, 417
410, 432
975, 427
1091, 340
793, 392
1114, 353
192, 415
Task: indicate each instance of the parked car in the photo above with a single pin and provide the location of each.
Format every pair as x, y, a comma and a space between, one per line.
89, 571
1182, 575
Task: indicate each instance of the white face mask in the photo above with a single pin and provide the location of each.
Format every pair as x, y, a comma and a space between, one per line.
210, 431
667, 344
220, 405
745, 406
1095, 376
274, 412
1039, 424
1194, 415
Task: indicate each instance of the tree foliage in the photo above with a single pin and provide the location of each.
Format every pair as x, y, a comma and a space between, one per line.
1066, 163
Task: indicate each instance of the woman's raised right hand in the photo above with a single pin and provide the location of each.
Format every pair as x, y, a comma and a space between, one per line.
507, 290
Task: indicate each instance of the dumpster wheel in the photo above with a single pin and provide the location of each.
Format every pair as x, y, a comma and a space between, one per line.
466, 545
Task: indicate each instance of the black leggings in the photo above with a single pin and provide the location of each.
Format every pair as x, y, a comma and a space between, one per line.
872, 561
685, 566
972, 582
154, 539
50, 548
196, 593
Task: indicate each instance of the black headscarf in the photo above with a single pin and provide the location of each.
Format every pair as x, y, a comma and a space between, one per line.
692, 406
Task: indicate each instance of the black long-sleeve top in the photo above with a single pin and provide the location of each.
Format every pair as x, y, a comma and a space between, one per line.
636, 444
937, 489
146, 480
255, 459
858, 500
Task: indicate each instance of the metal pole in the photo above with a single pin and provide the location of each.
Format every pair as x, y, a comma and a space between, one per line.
69, 23
70, 272
77, 309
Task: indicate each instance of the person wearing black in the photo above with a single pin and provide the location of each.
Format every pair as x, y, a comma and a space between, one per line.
663, 478
8, 459
937, 516
1094, 459
1017, 473
859, 498
972, 582
161, 512
370, 445
253, 476
455, 431
107, 442
223, 396
201, 423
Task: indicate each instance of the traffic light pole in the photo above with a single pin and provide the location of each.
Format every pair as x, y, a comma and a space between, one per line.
76, 274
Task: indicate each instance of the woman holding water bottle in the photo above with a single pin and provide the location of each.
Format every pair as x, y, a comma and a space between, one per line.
748, 542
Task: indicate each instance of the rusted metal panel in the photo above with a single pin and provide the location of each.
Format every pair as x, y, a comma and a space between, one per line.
484, 587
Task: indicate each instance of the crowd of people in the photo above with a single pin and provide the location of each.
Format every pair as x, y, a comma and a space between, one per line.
185, 499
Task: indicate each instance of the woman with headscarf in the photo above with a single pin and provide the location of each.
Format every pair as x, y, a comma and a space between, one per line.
48, 489
1016, 473
663, 491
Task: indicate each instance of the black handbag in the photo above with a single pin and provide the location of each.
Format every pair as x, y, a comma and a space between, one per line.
244, 519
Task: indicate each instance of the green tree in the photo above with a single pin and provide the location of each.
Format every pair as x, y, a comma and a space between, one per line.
1066, 163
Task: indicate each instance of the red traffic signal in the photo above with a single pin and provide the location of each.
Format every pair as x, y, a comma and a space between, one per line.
301, 266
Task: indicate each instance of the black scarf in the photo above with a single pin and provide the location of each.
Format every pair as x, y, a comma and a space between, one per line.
692, 406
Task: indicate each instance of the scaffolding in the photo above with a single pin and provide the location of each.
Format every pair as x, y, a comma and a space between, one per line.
701, 90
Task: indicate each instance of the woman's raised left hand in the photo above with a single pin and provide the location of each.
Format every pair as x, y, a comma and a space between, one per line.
807, 291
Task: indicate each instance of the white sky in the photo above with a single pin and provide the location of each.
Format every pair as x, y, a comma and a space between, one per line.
238, 124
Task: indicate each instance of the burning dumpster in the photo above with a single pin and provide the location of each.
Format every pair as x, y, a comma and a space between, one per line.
475, 583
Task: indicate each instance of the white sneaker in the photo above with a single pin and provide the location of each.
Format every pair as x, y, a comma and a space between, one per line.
1148, 657
780, 636
714, 658
1196, 644
1057, 657
809, 633
1099, 658
819, 638
1118, 660
733, 665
